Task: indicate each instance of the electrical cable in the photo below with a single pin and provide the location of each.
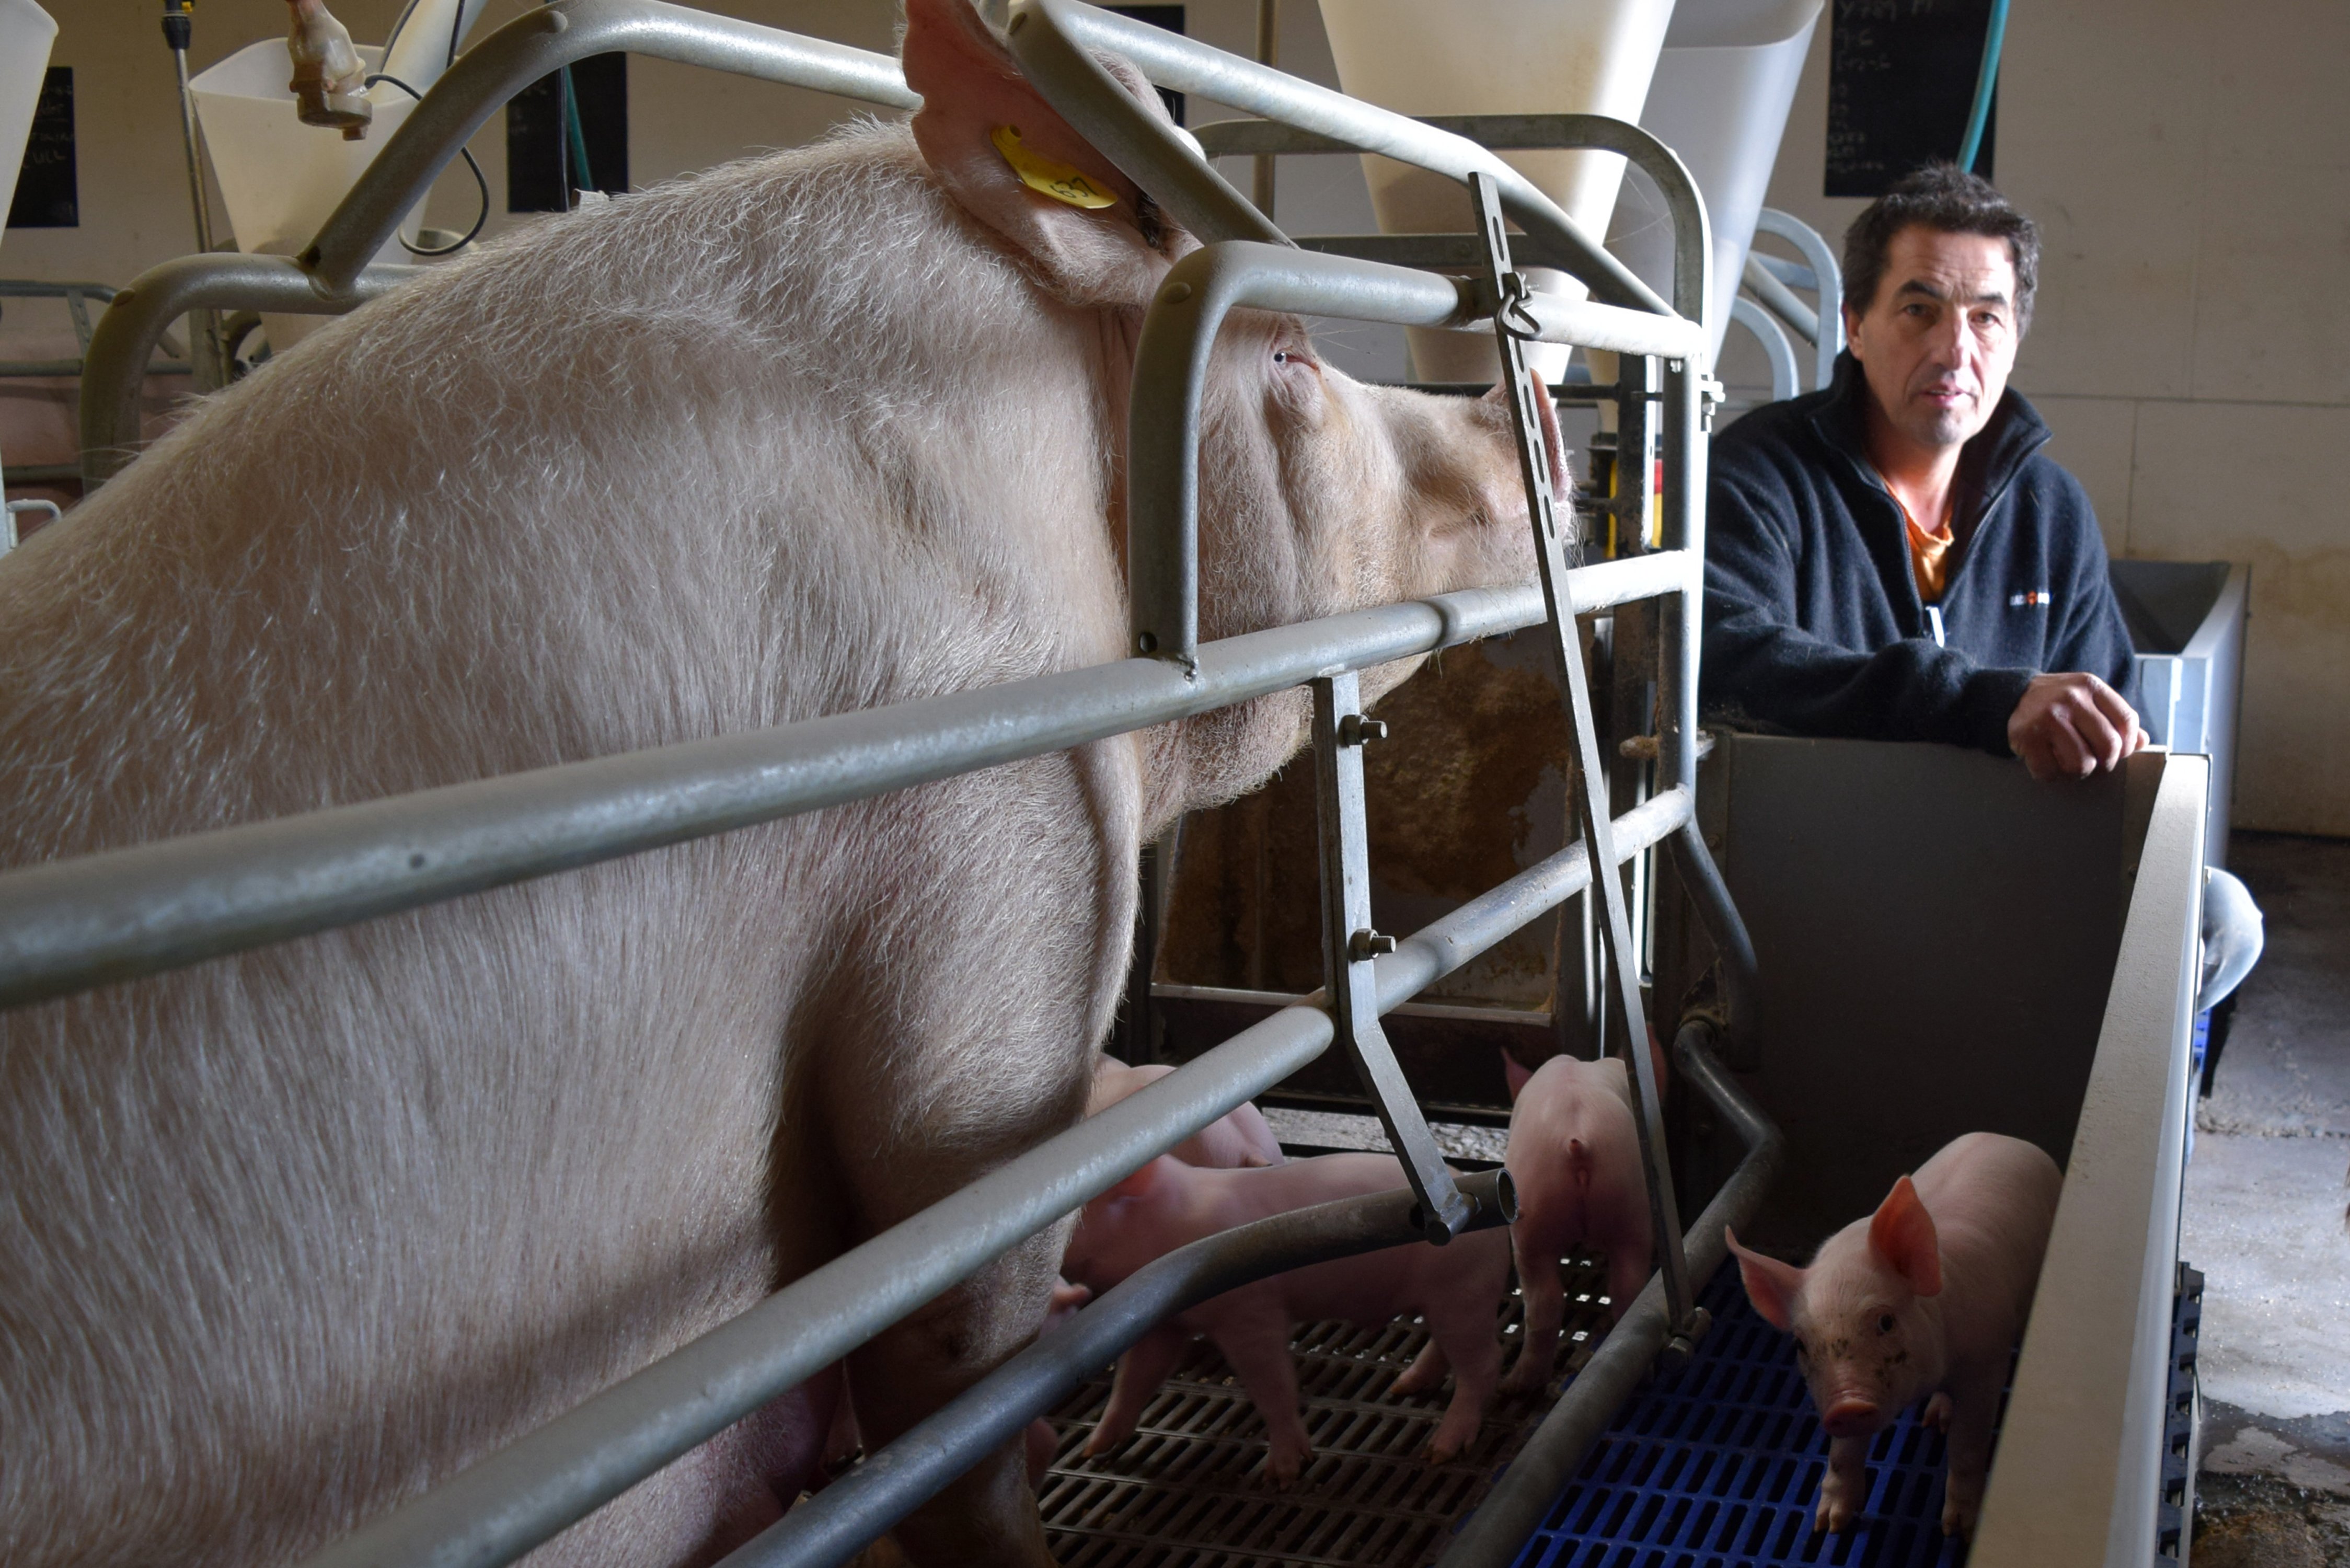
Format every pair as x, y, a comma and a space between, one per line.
481, 182
1986, 83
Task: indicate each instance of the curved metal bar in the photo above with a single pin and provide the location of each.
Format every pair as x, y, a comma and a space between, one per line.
1525, 1492
1052, 39
116, 366
545, 40
831, 1527
1170, 371
1822, 257
513, 1500
1776, 347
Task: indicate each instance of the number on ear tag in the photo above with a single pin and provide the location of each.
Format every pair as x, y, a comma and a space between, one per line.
1047, 178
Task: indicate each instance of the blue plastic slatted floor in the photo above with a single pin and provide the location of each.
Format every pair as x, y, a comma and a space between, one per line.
1716, 1465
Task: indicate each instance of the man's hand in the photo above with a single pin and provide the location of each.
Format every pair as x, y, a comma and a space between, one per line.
2071, 725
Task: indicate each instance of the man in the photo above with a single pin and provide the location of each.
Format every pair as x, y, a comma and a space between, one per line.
1893, 558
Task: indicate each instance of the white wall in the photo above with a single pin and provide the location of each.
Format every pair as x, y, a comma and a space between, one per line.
2189, 163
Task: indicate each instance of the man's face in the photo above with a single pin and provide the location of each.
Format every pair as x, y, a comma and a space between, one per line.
1940, 338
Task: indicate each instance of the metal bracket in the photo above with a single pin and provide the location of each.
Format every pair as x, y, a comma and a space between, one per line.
1350, 946
1591, 792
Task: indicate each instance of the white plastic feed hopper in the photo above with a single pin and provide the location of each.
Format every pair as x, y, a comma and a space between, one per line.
1495, 56
26, 34
281, 178
1722, 89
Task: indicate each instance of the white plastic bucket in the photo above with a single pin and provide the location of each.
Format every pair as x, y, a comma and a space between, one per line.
26, 34
281, 179
1723, 87
1495, 56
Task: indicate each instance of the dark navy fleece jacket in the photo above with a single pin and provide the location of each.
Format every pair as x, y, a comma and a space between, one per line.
1812, 623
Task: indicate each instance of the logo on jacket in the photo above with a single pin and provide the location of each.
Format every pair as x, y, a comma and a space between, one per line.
2038, 598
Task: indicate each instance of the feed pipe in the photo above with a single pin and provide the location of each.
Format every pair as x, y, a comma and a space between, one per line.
1170, 373
1054, 39
115, 367
835, 1524
122, 913
334, 273
1497, 1533
513, 1500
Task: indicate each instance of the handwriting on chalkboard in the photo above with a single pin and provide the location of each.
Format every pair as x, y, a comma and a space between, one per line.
49, 195
1901, 81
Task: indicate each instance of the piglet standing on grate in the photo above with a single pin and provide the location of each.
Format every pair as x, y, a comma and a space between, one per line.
289, 1238
1166, 1204
1574, 1158
1925, 1297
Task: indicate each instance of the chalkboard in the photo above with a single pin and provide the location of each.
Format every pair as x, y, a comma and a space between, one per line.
49, 196
1901, 80
541, 166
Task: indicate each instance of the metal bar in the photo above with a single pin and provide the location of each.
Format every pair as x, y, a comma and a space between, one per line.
1268, 53
1776, 347
1828, 283
211, 372
1054, 40
543, 41
511, 1500
1171, 366
1591, 788
832, 1526
1349, 944
116, 366
1523, 1494
123, 913
1692, 248
1782, 299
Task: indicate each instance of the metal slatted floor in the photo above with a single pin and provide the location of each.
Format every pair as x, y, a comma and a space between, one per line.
1188, 1488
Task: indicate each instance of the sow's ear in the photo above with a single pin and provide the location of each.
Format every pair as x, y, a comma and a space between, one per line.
972, 91
1902, 1234
1771, 1285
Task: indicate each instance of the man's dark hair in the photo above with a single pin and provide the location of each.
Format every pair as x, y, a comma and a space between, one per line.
1940, 196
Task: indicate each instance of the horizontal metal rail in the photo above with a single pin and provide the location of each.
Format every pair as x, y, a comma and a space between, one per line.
116, 367
69, 924
1054, 40
1497, 1531
831, 1527
512, 1501
545, 40
1170, 372
333, 274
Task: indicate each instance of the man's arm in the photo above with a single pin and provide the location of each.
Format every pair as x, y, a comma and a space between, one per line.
2083, 720
1761, 662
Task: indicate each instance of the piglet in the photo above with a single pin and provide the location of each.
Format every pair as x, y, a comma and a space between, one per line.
1575, 1157
1926, 1296
1166, 1204
1239, 1138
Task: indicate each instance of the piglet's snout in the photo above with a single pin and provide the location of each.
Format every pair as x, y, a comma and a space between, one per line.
1849, 1417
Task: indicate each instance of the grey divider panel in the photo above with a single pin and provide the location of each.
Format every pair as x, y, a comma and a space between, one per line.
1936, 933
2187, 620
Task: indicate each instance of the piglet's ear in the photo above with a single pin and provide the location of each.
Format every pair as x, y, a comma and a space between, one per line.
1516, 1075
1098, 242
1771, 1285
1902, 1234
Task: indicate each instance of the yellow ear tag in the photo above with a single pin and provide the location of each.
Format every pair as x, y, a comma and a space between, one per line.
1047, 178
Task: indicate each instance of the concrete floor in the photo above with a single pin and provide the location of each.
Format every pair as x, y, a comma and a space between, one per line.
2264, 1220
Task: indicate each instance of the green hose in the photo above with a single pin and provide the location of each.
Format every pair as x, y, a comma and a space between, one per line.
1985, 82
576, 138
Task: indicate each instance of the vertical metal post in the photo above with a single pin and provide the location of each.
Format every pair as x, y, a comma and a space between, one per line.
1634, 505
1268, 53
1350, 943
1141, 1025
204, 353
1512, 326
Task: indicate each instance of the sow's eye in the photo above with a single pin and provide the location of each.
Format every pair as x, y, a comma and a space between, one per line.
1884, 1323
